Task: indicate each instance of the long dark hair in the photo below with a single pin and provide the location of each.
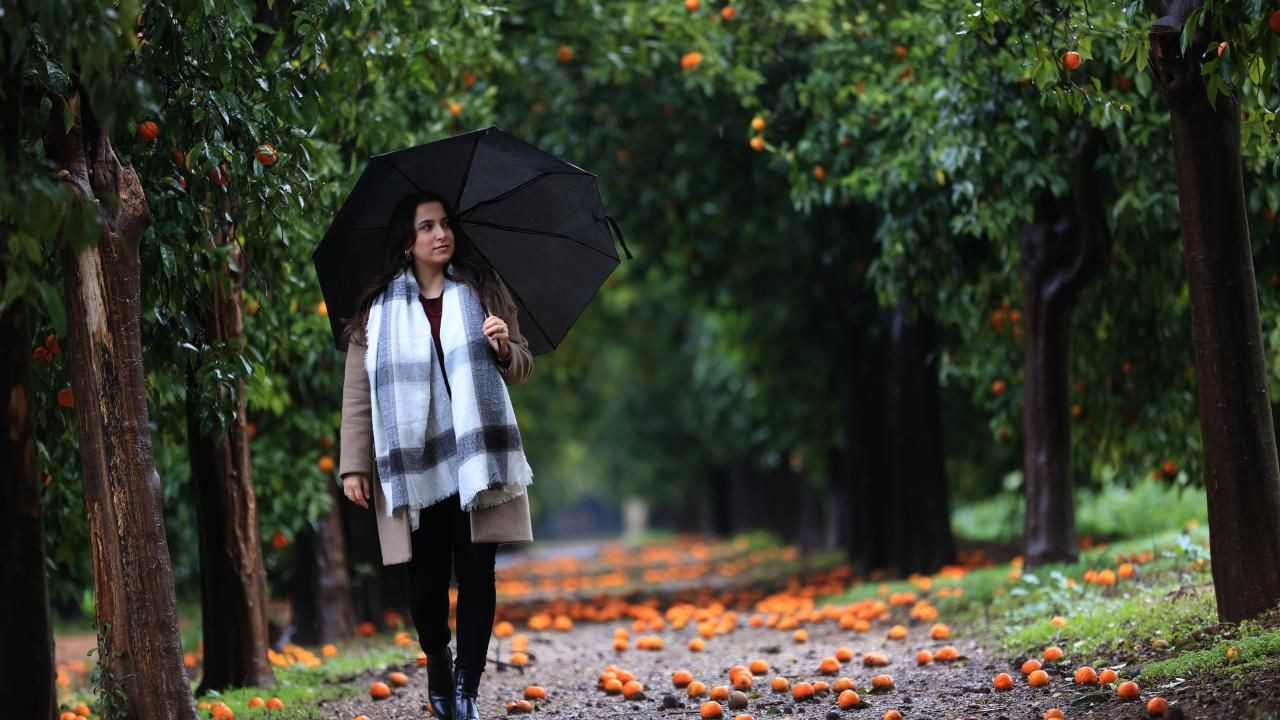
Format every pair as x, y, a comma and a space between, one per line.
468, 265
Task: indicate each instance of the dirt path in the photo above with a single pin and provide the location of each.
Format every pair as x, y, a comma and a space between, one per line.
568, 663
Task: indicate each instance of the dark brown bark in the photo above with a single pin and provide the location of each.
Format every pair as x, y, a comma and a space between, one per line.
917, 519
233, 580
139, 651
320, 590
26, 655
866, 425
1241, 475
1063, 248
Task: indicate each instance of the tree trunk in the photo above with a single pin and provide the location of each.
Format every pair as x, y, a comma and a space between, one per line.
917, 521
865, 429
1062, 250
1241, 476
233, 580
139, 649
26, 655
320, 590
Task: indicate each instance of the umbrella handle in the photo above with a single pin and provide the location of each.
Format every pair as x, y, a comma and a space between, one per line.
613, 224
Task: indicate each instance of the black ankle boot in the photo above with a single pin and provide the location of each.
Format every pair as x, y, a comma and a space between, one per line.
440, 683
468, 689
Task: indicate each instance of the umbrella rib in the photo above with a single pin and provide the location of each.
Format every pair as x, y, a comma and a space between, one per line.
513, 292
467, 173
544, 233
513, 190
406, 177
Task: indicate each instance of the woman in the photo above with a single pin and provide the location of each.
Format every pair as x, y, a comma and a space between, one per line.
446, 471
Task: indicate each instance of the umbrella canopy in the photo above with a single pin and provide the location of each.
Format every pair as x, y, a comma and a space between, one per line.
537, 219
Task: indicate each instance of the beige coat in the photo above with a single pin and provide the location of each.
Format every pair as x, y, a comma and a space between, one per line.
505, 523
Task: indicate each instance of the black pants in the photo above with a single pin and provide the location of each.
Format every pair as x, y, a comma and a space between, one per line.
441, 545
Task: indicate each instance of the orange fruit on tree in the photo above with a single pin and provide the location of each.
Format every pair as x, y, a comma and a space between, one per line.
219, 175
681, 678
279, 540
820, 173
758, 123
1273, 21
1071, 60
66, 398
848, 699
727, 12
691, 5
147, 131
83, 709
1086, 675
1039, 678
275, 703
1128, 690
998, 387
900, 51
711, 709
1157, 706
1107, 676
564, 54
379, 690
455, 108
1003, 681
691, 60
266, 154
1052, 653
326, 464
67, 715
757, 143
1030, 666
882, 682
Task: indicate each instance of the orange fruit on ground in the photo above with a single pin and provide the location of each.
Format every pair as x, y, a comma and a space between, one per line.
1071, 60
613, 686
1128, 690
800, 635
1053, 714
1030, 666
67, 715
379, 691
1039, 678
503, 629
398, 679
757, 143
697, 689
275, 703
848, 699
842, 684
1157, 706
759, 667
422, 659
696, 644
940, 631
1052, 653
821, 687
1107, 676
743, 681
83, 709
535, 692
519, 707
361, 717
1086, 676
875, 659
1059, 622
802, 691
780, 684
148, 130
711, 709
844, 654
924, 657
681, 678
947, 654
882, 682
1003, 681
829, 666
743, 716
892, 715
620, 644
257, 702
719, 692
897, 632
633, 690
519, 658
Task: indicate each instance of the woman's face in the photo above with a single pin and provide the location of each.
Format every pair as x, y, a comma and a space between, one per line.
433, 236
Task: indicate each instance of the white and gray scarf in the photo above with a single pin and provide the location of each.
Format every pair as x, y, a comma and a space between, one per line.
427, 445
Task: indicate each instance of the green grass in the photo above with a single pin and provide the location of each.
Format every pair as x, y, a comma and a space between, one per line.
1113, 512
1256, 648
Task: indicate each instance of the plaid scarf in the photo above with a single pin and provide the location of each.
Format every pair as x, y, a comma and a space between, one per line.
427, 445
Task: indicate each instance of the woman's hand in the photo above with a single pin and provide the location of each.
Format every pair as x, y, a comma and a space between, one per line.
356, 487
495, 328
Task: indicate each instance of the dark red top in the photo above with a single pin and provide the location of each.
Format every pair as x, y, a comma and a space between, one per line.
432, 306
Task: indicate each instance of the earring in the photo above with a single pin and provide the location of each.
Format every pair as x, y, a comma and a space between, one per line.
407, 256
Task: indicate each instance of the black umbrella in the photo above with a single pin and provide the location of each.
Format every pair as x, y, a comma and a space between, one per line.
538, 220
